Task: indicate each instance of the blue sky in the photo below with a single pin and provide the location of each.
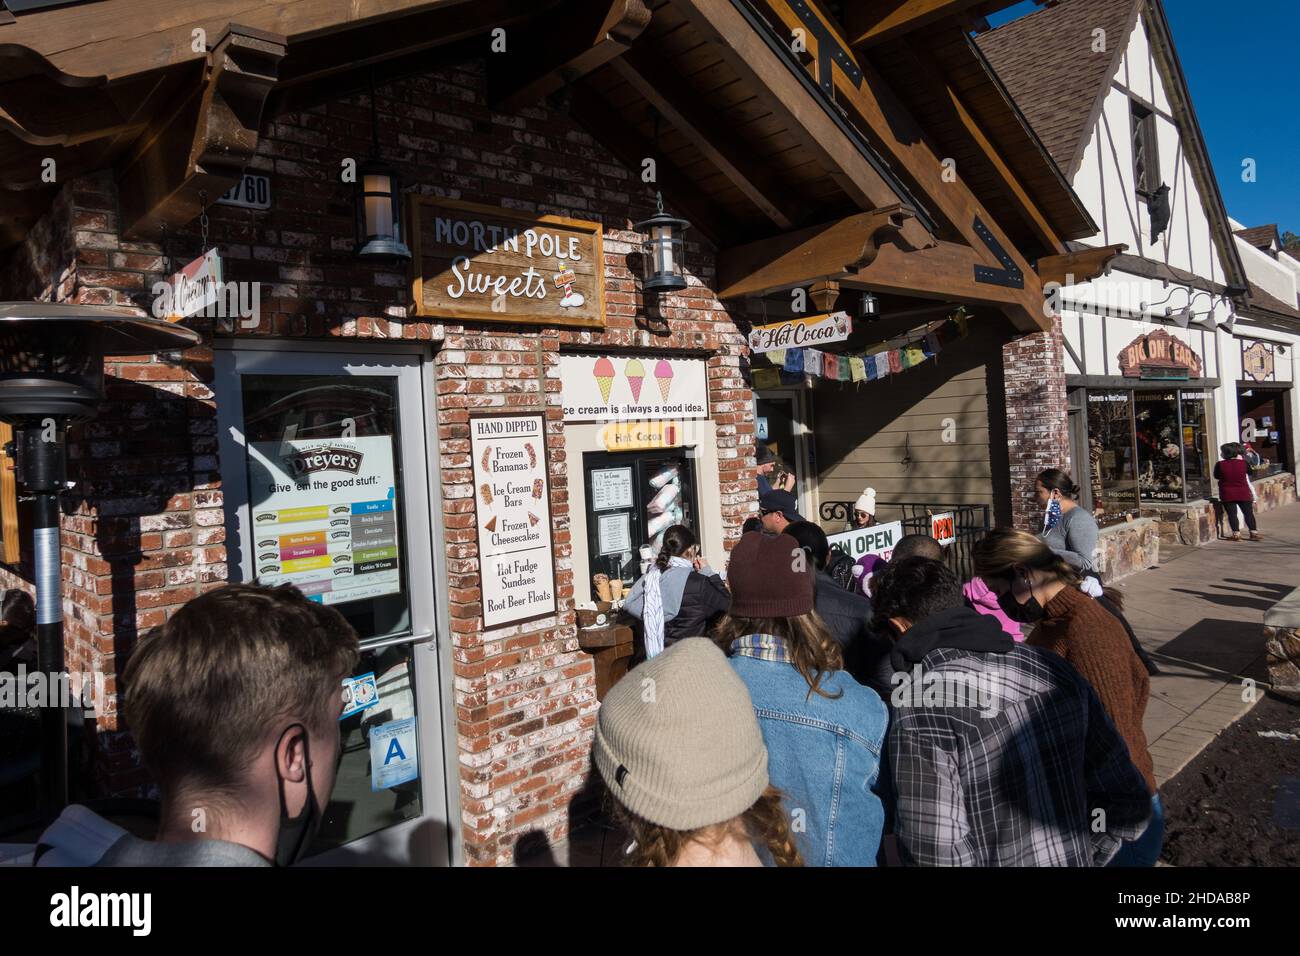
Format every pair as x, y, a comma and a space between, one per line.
1240, 61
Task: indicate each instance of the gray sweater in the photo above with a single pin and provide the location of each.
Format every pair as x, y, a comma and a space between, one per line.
1075, 538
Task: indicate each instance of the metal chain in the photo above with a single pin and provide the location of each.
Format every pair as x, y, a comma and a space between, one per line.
203, 219
166, 253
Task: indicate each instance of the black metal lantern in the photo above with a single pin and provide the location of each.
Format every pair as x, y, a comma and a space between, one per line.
662, 252
869, 306
379, 213
379, 202
52, 374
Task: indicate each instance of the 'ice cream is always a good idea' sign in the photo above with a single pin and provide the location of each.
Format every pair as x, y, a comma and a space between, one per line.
493, 264
604, 388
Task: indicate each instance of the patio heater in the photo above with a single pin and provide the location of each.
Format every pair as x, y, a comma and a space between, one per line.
51, 376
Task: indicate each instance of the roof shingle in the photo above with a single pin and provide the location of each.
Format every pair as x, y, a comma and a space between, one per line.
1046, 61
1261, 237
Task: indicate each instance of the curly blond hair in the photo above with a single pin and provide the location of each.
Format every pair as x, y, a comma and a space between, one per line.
764, 825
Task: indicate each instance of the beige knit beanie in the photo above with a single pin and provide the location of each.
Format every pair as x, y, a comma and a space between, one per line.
677, 742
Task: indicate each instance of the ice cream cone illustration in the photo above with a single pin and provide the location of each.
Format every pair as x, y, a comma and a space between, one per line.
635, 373
664, 376
604, 372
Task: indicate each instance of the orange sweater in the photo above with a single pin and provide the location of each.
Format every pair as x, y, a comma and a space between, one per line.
1090, 638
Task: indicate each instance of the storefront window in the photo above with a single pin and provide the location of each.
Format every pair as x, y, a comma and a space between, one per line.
1112, 468
1264, 428
1148, 446
1159, 446
1196, 443
325, 487
633, 498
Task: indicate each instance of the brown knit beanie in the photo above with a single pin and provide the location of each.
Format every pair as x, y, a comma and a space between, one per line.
677, 742
769, 576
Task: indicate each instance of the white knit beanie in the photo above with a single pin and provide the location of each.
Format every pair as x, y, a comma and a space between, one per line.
866, 501
677, 742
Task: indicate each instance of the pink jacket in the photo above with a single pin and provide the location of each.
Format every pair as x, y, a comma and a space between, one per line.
986, 602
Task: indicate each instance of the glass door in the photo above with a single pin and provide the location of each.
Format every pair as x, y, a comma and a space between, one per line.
327, 483
779, 423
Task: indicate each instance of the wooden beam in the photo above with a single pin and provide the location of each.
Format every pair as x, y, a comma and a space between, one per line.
205, 143
830, 250
679, 103
600, 119
930, 71
868, 22
310, 60
578, 38
867, 251
1074, 267
781, 91
121, 38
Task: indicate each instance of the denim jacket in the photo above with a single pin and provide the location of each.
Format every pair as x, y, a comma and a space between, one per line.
824, 754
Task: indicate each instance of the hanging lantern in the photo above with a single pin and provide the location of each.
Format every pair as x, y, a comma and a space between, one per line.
869, 306
662, 250
379, 213
378, 201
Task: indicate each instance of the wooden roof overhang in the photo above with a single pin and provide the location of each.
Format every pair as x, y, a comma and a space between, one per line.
923, 98
784, 163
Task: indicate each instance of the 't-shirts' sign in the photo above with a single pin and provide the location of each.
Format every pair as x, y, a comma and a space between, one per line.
513, 517
497, 265
604, 388
878, 539
801, 333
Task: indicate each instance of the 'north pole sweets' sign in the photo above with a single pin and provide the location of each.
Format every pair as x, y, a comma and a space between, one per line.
513, 517
497, 265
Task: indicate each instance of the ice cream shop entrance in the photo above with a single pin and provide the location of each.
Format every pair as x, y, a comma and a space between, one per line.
632, 498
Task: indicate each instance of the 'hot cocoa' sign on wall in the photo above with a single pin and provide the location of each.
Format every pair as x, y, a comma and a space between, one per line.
497, 265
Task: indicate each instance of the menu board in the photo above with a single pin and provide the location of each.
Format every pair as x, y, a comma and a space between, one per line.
324, 517
611, 488
513, 517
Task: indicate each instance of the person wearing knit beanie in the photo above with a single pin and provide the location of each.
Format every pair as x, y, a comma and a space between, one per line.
864, 510
679, 748
824, 731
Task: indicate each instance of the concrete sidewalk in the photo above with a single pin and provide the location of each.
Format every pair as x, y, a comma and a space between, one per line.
1201, 615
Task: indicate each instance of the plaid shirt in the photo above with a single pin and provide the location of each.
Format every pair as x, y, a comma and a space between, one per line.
1015, 778
764, 647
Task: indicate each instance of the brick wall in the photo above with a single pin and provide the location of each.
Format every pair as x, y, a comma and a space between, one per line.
149, 533
1037, 427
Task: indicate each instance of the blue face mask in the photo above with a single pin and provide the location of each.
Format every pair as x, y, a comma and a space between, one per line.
1053, 516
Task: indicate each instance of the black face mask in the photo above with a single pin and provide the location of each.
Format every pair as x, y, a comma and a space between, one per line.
296, 833
1028, 613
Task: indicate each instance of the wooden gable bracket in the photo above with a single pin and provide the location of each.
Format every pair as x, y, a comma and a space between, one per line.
569, 43
1079, 266
204, 144
828, 252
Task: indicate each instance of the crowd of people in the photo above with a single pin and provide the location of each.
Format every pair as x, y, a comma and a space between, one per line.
905, 717
778, 714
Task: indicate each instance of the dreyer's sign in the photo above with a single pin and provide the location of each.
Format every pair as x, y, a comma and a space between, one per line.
800, 333
307, 461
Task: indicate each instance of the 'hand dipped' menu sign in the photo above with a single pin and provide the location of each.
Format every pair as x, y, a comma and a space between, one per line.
513, 516
498, 265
